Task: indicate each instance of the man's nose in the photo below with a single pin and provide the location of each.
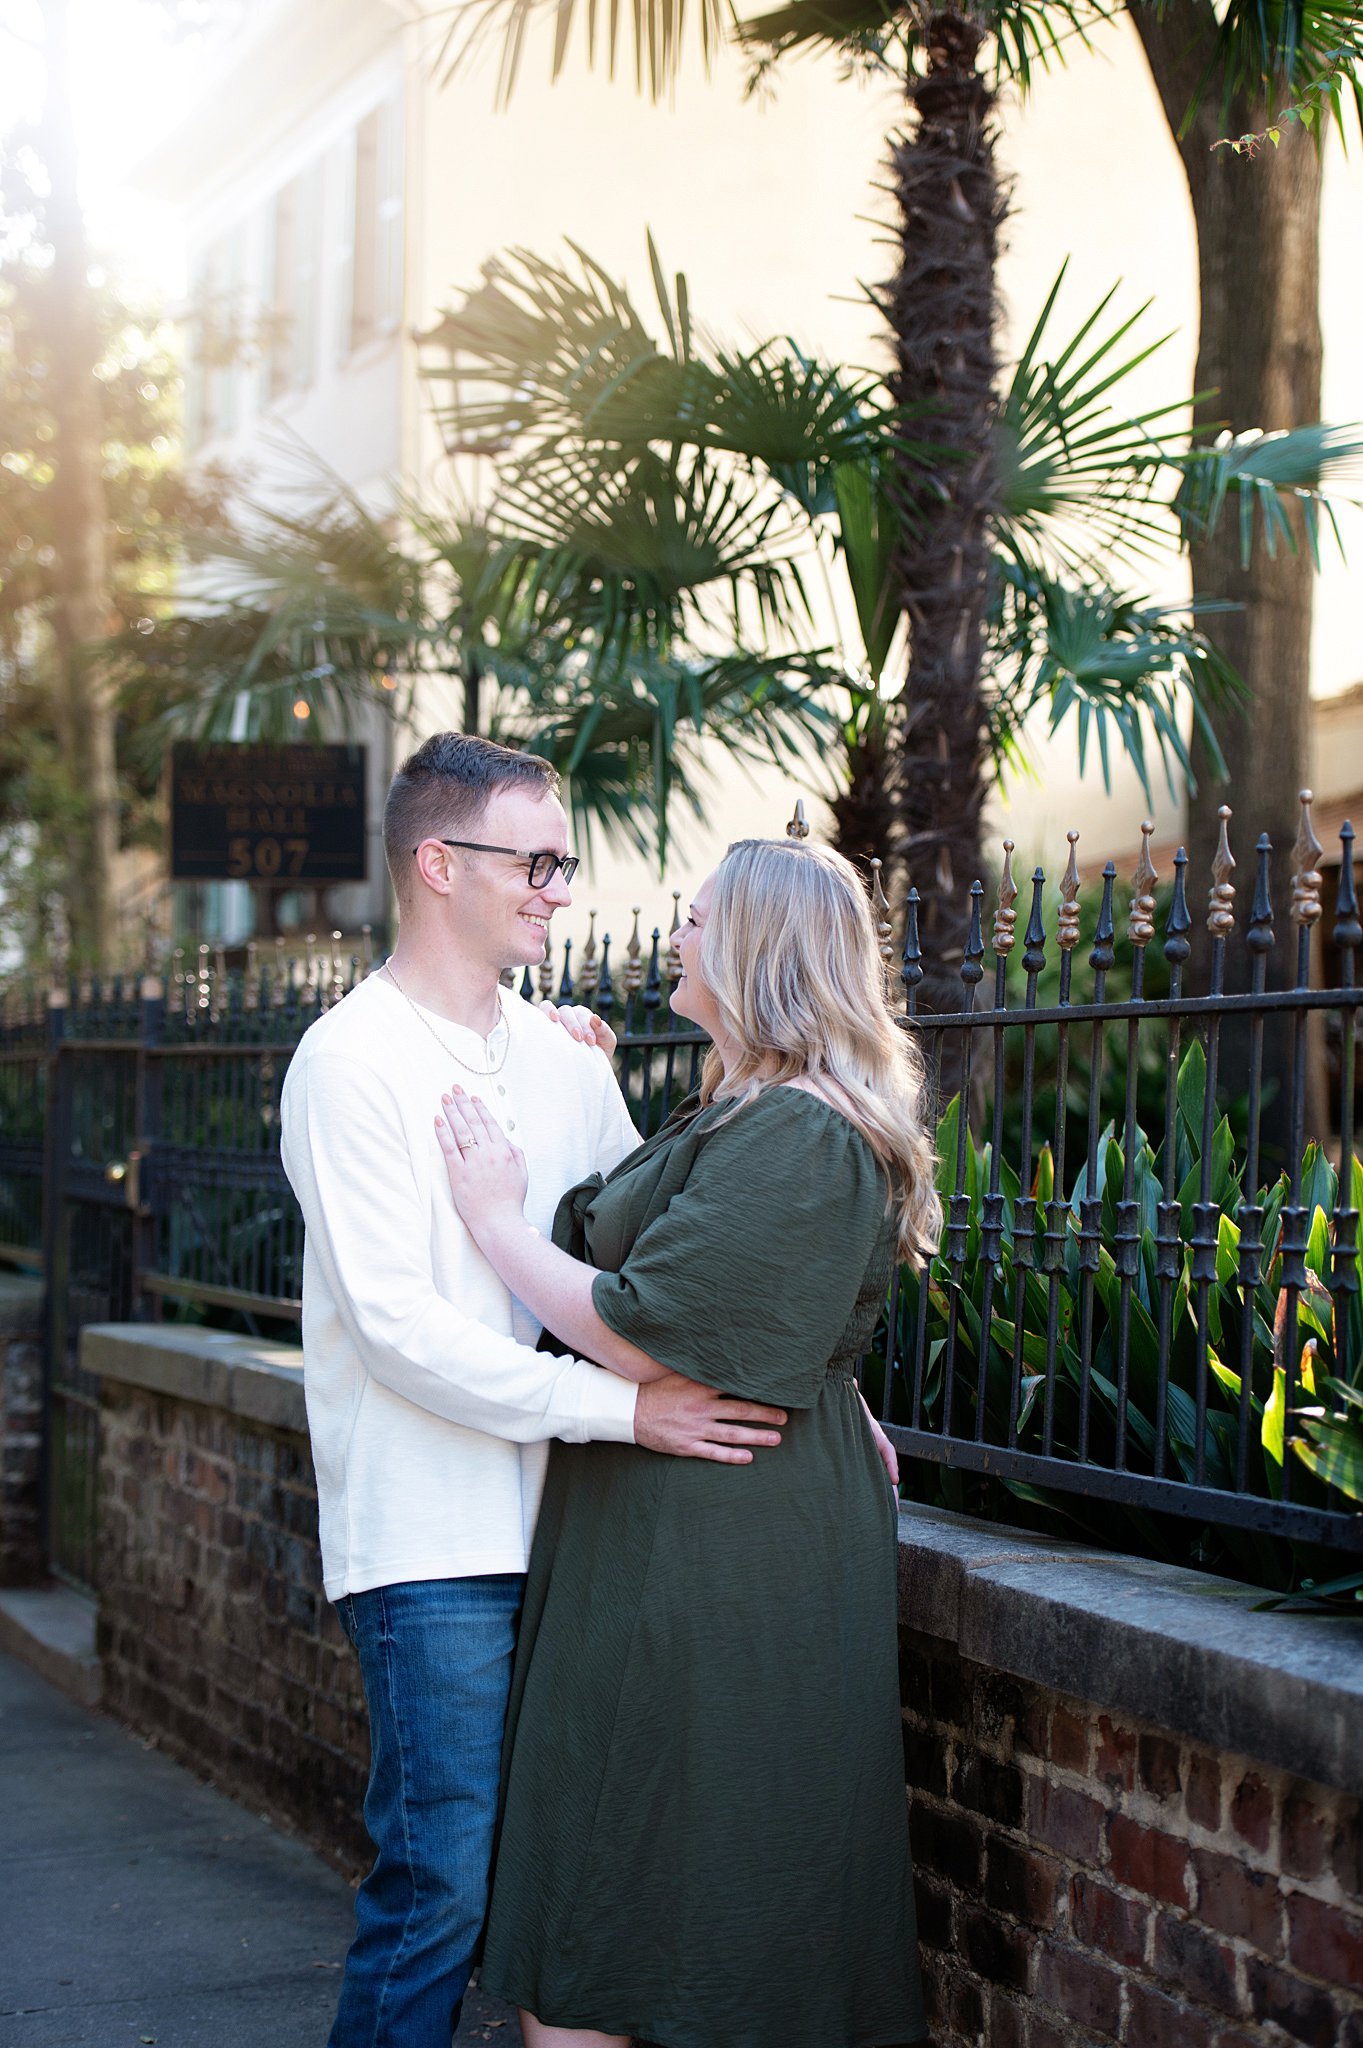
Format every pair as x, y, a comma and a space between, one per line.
556, 891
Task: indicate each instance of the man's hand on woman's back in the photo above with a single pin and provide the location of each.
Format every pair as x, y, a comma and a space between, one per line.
685, 1420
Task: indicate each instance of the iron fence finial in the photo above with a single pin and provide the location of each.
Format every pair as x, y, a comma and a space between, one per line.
798, 828
1141, 923
589, 971
1306, 876
672, 967
1348, 932
911, 972
880, 906
1180, 923
1034, 938
1067, 930
1221, 900
1006, 917
1259, 932
634, 966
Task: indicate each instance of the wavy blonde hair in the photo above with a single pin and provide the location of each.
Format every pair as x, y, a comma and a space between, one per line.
790, 957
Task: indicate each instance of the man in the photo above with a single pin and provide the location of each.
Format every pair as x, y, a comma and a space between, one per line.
429, 1407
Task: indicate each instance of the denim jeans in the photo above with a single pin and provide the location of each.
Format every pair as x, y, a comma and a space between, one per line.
436, 1658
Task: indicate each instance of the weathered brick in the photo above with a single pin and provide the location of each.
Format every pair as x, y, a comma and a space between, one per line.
948, 1844
1021, 1882
1031, 1731
1148, 1860
1325, 1942
986, 1786
1065, 1819
1202, 1788
1158, 1767
1069, 1740
1304, 2011
995, 1949
925, 1760
1305, 1833
998, 1707
932, 1903
1236, 1900
1251, 1810
1007, 2021
1109, 1921
1346, 1848
1080, 1987
1155, 2021
1114, 1757
1199, 1964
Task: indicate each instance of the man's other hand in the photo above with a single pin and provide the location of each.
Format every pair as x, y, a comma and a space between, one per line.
582, 1024
685, 1420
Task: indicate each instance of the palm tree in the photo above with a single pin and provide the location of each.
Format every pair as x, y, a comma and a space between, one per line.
313, 621
616, 443
940, 312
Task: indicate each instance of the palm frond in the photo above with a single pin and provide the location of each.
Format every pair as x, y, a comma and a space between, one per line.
542, 351
627, 740
1123, 668
1077, 474
655, 31
1270, 49
1263, 475
1026, 33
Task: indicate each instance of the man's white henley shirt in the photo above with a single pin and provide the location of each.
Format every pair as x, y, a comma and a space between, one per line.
429, 1408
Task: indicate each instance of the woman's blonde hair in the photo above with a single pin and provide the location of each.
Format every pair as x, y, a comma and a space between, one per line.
790, 957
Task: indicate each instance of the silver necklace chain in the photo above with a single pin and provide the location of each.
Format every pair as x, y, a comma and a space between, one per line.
483, 1073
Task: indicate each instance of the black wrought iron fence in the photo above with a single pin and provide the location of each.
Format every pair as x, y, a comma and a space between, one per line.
1146, 1316
1147, 1287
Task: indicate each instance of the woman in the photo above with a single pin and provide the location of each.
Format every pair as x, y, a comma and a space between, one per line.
703, 1841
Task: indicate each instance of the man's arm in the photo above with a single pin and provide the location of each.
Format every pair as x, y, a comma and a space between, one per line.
344, 1150
345, 1153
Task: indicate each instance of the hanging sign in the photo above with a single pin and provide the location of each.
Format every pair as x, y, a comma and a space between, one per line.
245, 813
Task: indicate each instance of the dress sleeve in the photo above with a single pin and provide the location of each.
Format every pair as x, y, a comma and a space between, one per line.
749, 1277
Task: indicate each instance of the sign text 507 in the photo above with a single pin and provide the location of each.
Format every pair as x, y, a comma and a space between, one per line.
265, 858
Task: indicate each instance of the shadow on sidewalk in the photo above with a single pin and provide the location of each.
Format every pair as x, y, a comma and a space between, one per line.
140, 1906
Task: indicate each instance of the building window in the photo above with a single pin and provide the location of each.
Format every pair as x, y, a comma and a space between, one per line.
220, 341
295, 272
375, 253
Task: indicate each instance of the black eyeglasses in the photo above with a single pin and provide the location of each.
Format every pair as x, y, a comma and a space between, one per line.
542, 866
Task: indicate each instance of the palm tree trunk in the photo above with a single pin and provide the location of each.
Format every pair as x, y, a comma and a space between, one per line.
80, 615
1259, 360
941, 306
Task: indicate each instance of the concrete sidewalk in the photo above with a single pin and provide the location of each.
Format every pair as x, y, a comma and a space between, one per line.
137, 1905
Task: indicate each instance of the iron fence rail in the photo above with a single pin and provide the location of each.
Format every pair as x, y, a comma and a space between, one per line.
1148, 1276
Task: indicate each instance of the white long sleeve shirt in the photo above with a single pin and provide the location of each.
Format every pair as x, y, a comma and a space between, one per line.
428, 1406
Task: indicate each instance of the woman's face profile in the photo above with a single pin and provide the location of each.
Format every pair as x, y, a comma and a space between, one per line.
691, 998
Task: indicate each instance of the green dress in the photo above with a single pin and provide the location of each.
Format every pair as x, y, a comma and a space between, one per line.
704, 1835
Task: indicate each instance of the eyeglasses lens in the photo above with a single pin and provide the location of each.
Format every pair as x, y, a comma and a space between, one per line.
544, 866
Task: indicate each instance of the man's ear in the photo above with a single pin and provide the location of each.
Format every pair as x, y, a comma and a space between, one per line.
433, 866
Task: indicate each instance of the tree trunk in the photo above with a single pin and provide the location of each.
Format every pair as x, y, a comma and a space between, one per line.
941, 306
80, 615
1259, 360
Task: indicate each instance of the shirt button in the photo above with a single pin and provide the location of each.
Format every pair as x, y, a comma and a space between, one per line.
500, 1089
511, 1123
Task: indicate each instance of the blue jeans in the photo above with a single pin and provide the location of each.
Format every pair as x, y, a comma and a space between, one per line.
436, 1658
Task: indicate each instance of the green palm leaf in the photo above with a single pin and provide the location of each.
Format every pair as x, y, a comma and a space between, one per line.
1264, 475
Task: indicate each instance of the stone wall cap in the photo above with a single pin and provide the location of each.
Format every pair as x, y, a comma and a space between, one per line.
247, 1376
1164, 1644
21, 1304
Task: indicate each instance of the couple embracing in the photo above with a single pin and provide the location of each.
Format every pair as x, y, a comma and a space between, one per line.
601, 1508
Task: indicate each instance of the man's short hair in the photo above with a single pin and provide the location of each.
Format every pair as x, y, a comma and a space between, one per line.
441, 791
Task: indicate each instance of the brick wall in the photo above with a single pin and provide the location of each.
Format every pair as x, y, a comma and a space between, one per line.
1085, 1877
214, 1633
1087, 1874
21, 1413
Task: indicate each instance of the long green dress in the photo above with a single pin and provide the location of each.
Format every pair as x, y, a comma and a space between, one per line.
704, 1838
